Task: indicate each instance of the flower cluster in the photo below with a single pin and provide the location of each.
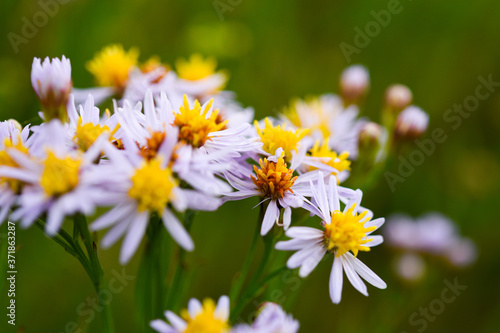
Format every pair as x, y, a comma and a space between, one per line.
174, 141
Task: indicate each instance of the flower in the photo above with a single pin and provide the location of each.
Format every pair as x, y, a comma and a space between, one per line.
398, 97
327, 119
51, 81
354, 82
432, 233
137, 188
55, 178
344, 234
112, 66
206, 317
270, 319
274, 137
85, 125
11, 138
411, 123
198, 76
273, 181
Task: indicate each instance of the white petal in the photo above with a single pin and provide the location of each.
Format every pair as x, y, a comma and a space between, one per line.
194, 307
304, 233
352, 276
310, 264
298, 258
367, 274
287, 218
272, 214
222, 309
177, 230
176, 321
294, 244
336, 281
134, 236
160, 326
375, 240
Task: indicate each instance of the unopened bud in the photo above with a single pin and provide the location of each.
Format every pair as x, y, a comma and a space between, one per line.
370, 137
51, 81
354, 83
398, 97
411, 123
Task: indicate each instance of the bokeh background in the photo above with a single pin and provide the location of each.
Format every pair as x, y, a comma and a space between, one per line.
275, 50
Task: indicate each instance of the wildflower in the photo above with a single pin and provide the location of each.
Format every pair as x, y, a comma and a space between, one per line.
411, 123
271, 318
199, 317
345, 233
51, 81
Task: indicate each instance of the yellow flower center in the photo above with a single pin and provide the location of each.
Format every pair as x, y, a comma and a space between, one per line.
152, 186
5, 160
60, 175
330, 157
273, 179
274, 137
112, 65
194, 126
196, 68
86, 134
316, 112
205, 321
346, 232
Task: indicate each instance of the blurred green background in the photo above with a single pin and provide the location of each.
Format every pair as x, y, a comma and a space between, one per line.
275, 50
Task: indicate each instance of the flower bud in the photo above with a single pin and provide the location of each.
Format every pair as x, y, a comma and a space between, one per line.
370, 137
411, 123
51, 81
398, 97
354, 83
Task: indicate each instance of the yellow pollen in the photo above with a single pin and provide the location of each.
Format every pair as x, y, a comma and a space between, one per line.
5, 160
60, 175
339, 162
86, 134
196, 68
152, 186
347, 232
194, 126
273, 179
205, 321
274, 137
111, 66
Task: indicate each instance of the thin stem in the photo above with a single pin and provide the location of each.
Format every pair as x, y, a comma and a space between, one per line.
175, 288
238, 284
98, 274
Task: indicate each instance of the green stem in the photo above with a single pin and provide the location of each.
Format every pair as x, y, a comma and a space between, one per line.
98, 274
176, 286
238, 284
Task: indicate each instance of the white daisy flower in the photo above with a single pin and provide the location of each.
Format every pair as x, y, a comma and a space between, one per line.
139, 187
344, 234
86, 124
51, 81
11, 138
327, 119
55, 178
198, 317
273, 181
198, 76
271, 318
